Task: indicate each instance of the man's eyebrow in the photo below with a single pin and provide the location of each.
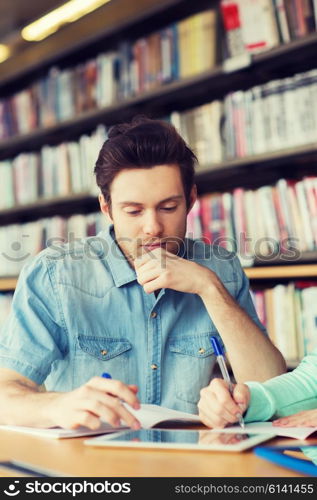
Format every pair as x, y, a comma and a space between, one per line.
137, 204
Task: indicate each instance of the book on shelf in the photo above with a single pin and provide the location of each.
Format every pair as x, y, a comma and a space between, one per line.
19, 243
309, 300
250, 25
281, 21
289, 314
232, 27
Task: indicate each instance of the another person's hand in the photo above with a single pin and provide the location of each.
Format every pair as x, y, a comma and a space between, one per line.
217, 408
99, 398
307, 418
207, 437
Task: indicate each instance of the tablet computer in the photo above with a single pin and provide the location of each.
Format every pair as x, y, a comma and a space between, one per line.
179, 439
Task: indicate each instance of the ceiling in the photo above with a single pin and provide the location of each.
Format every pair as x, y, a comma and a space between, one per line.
14, 14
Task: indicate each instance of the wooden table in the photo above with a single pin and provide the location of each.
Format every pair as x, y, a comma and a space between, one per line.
71, 457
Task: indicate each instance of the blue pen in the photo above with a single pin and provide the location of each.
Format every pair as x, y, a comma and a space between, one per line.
223, 368
106, 375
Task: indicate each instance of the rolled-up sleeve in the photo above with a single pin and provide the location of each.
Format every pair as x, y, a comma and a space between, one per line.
33, 336
286, 394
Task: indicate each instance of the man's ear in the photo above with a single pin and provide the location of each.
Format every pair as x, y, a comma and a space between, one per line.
192, 197
104, 206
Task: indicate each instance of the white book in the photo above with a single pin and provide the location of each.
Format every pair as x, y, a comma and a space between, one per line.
269, 216
311, 103
315, 11
282, 189
251, 219
290, 323
258, 135
75, 167
258, 24
309, 301
305, 215
7, 198
149, 416
282, 20
279, 318
299, 324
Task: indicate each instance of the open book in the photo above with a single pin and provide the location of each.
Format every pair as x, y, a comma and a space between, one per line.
152, 416
148, 415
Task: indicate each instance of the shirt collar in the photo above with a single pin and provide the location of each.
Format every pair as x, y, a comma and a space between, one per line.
120, 268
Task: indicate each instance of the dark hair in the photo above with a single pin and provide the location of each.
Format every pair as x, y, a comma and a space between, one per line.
143, 143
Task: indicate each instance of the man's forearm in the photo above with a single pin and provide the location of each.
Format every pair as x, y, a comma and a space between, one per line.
24, 405
252, 355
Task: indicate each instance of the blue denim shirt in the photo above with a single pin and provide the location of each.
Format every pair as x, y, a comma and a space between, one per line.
78, 311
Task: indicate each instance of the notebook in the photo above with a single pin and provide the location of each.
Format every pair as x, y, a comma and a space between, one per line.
149, 416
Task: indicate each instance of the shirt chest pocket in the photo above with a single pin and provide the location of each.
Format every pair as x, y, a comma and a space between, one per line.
95, 355
192, 362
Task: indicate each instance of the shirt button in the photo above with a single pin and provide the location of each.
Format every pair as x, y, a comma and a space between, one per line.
104, 352
201, 350
154, 367
153, 314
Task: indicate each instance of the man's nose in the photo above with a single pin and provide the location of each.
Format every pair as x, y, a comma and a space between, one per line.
152, 225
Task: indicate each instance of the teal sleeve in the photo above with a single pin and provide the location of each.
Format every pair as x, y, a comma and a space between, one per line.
286, 394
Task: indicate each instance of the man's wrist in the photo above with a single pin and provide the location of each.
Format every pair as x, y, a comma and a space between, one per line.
209, 285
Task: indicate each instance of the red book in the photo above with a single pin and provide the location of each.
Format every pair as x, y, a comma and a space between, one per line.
205, 217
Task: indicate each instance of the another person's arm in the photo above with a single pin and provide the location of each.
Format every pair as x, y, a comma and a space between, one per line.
282, 396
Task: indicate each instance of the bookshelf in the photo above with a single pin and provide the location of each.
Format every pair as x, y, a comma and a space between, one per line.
104, 30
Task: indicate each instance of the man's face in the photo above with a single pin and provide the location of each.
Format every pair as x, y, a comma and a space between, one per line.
148, 209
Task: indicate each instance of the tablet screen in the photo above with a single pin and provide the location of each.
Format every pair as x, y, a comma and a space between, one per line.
190, 439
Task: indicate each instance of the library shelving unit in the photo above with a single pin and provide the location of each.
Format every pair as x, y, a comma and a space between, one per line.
125, 20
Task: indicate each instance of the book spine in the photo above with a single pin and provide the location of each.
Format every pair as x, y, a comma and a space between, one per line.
232, 26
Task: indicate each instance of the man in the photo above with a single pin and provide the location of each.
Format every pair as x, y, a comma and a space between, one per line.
139, 302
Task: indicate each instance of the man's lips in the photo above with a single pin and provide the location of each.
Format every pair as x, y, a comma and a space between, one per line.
153, 245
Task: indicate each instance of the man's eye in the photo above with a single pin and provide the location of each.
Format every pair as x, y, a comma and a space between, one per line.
133, 212
169, 209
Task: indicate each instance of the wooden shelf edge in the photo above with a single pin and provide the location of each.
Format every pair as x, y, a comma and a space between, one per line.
8, 284
46, 202
265, 272
291, 271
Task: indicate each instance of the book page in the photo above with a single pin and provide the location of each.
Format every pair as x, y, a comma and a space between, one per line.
269, 428
151, 415
148, 415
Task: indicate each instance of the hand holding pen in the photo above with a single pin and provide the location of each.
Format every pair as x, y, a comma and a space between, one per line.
224, 371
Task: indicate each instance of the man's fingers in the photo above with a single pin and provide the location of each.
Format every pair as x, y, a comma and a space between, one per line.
110, 409
115, 388
83, 418
133, 388
153, 285
147, 276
